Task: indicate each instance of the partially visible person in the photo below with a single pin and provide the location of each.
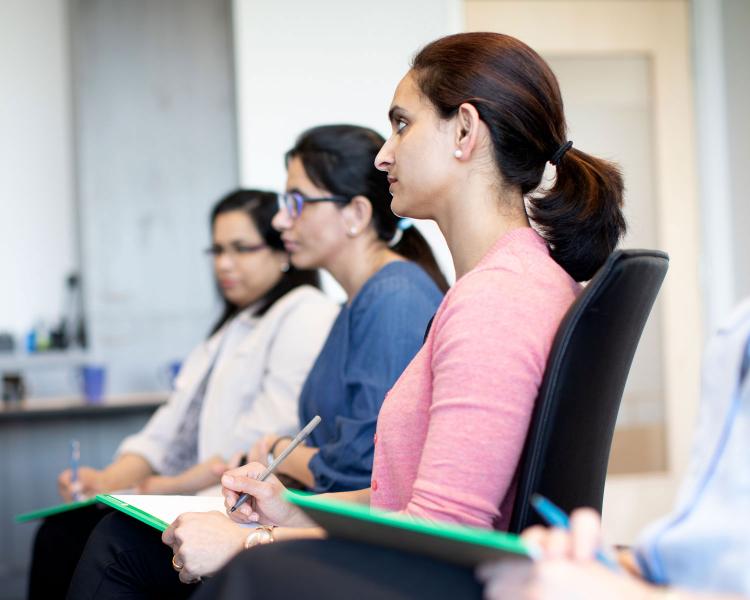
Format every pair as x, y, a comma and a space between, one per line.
474, 124
702, 550
335, 215
242, 382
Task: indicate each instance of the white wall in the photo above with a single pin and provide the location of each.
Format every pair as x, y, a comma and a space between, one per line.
736, 18
301, 64
37, 214
722, 83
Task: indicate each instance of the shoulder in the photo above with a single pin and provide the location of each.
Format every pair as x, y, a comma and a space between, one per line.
396, 282
303, 299
519, 265
302, 313
522, 286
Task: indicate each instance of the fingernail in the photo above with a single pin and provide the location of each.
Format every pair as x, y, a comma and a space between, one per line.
228, 480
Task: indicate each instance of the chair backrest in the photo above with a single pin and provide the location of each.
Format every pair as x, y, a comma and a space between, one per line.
567, 449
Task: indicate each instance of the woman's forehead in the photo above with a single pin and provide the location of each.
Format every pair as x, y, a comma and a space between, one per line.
298, 180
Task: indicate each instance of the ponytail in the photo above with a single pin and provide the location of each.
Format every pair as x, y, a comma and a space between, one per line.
580, 216
517, 97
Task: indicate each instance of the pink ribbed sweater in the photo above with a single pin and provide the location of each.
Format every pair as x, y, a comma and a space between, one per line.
451, 430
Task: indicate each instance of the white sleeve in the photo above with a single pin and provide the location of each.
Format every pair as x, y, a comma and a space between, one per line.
155, 439
297, 343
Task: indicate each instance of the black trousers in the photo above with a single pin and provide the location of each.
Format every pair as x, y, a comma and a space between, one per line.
125, 558
336, 570
58, 545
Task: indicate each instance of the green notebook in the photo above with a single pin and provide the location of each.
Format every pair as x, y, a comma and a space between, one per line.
466, 546
159, 511
54, 510
133, 511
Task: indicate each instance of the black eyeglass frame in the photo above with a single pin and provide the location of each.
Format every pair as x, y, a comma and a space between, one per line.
294, 210
216, 251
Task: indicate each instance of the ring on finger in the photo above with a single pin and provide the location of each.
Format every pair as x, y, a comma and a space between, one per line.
177, 566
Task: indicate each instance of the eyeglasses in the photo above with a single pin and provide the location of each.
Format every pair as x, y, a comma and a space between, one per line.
294, 202
233, 250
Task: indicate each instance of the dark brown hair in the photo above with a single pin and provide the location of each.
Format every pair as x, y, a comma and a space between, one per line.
261, 206
341, 160
518, 98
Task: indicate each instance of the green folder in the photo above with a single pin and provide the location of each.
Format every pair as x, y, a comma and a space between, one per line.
462, 545
133, 511
53, 510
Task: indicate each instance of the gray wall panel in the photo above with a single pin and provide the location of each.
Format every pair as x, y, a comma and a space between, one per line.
156, 146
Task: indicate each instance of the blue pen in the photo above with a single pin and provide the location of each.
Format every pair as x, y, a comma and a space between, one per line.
75, 457
556, 517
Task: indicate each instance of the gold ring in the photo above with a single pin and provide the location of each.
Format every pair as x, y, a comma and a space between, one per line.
175, 565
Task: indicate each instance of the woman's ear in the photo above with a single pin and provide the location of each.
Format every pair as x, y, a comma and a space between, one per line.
357, 215
467, 124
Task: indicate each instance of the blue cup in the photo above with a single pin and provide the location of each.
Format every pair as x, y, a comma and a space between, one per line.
167, 374
93, 378
174, 370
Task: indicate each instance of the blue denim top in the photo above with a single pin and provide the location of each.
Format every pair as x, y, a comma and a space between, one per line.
371, 342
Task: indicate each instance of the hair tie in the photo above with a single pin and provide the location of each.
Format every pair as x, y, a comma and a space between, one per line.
561, 152
401, 226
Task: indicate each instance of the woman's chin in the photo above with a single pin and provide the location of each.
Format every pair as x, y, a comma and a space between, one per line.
401, 207
298, 261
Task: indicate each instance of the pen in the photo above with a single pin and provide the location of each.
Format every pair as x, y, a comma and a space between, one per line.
75, 457
300, 437
556, 517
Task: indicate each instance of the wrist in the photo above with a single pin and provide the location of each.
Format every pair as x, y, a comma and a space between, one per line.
278, 446
663, 593
260, 536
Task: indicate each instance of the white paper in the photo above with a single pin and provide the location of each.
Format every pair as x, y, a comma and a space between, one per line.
168, 508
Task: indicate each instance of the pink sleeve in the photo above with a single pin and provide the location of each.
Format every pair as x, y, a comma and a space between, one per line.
489, 353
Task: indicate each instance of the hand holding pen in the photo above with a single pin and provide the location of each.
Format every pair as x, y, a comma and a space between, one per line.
257, 482
585, 538
569, 562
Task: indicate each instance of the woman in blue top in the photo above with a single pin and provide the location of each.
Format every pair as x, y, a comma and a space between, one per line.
336, 216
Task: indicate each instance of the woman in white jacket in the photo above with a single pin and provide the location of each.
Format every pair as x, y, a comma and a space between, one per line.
242, 382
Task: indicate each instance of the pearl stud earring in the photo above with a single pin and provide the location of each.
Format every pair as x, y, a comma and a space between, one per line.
458, 153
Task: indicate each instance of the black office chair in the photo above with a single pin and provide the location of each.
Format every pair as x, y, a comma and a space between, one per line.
567, 448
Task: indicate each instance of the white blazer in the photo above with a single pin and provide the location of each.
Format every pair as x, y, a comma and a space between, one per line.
255, 384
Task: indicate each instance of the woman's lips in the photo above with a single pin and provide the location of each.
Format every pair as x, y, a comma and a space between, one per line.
290, 245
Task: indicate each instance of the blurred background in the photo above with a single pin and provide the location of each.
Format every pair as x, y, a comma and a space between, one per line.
122, 122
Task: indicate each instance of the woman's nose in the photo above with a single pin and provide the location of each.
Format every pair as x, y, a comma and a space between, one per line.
281, 220
384, 159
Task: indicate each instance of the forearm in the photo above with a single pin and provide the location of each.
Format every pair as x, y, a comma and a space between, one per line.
356, 496
296, 464
190, 481
126, 472
677, 594
285, 534
199, 477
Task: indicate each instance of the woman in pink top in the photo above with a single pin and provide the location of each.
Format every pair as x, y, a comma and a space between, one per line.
475, 123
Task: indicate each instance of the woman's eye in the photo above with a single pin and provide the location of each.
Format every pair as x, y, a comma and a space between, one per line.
400, 124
